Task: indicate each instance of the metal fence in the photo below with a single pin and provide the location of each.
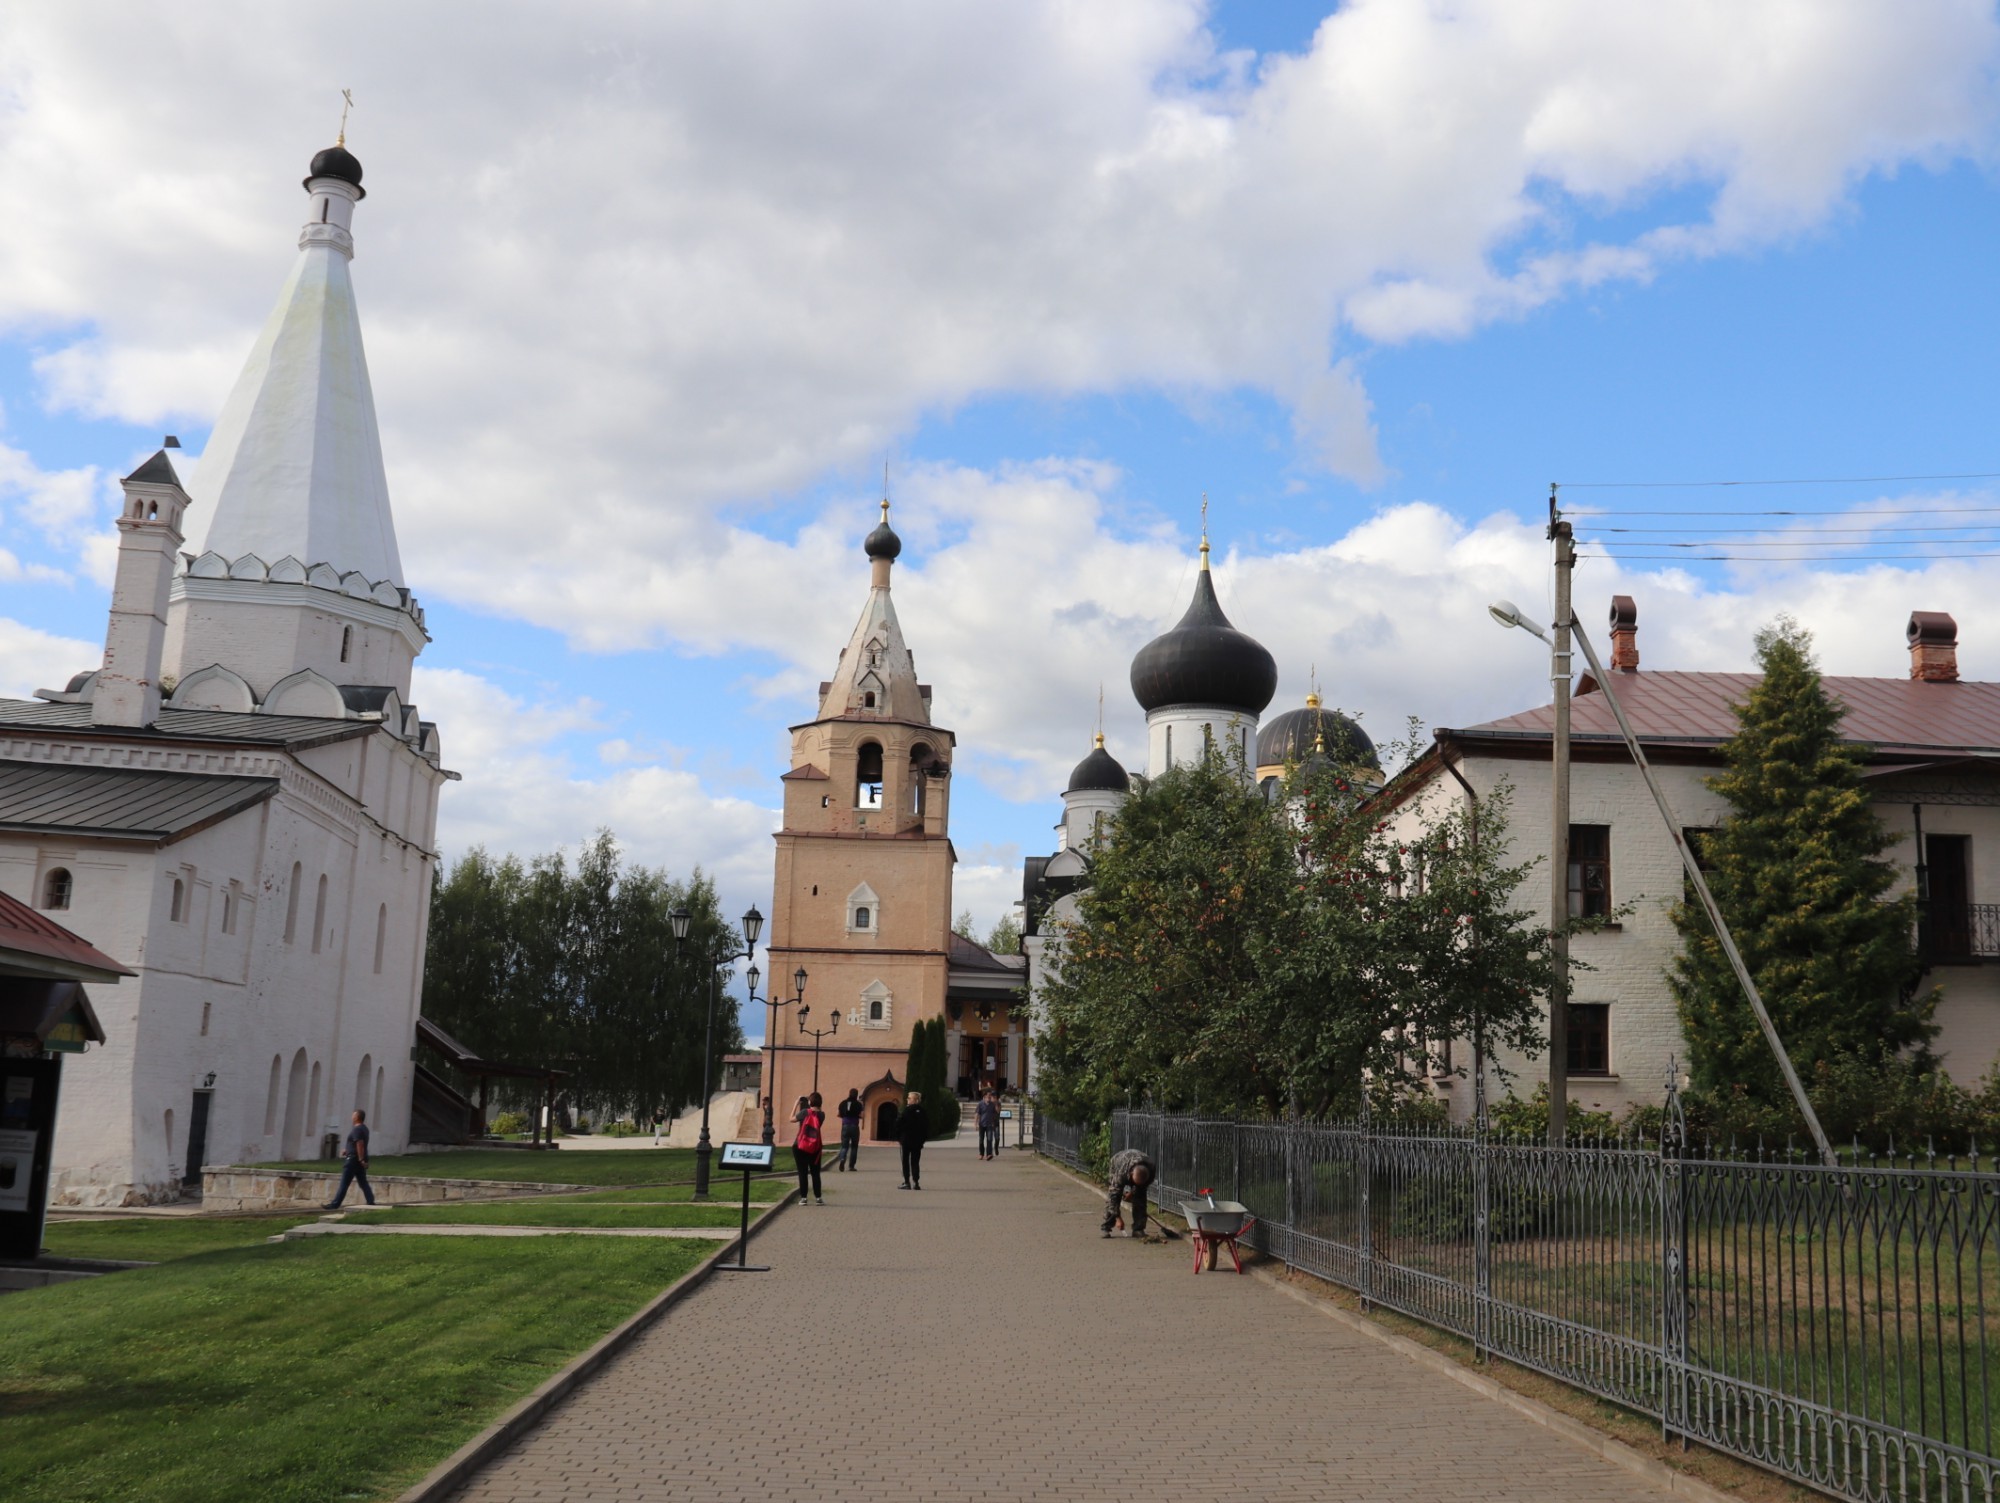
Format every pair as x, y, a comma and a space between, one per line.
1833, 1325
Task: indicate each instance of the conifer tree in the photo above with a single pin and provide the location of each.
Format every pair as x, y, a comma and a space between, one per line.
1797, 870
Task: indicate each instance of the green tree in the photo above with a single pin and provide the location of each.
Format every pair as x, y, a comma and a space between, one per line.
1797, 870
1005, 939
962, 925
576, 967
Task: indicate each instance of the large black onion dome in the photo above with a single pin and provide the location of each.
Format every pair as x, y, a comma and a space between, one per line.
1297, 734
1205, 661
1099, 772
883, 542
337, 162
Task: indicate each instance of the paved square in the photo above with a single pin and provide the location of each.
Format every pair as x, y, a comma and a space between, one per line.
979, 1340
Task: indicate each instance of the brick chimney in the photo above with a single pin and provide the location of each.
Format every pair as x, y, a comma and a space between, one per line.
149, 532
1933, 647
1624, 633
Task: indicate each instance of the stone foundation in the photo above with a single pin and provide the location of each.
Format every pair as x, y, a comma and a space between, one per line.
234, 1189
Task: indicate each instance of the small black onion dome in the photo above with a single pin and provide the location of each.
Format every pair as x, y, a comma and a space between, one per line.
883, 542
336, 162
1099, 772
1296, 735
1205, 661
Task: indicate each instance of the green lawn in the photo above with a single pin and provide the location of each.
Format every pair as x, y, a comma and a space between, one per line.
330, 1368
155, 1239
634, 1166
728, 1191
538, 1213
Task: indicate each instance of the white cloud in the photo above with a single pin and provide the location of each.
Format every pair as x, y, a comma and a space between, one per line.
623, 265
31, 659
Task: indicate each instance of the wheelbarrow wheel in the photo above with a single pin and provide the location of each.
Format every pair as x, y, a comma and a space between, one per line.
1212, 1249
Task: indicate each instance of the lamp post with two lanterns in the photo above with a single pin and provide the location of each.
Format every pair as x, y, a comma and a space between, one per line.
816, 1034
771, 1034
753, 925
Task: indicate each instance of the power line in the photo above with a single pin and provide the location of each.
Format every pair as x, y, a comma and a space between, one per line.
1786, 558
1694, 485
1816, 531
1836, 511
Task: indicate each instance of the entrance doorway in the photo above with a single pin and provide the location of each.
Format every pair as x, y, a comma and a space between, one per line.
197, 1140
885, 1122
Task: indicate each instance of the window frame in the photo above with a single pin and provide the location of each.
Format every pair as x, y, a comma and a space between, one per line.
1595, 1018
1580, 892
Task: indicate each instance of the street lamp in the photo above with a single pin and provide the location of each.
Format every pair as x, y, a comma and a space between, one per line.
816, 1034
771, 1031
753, 925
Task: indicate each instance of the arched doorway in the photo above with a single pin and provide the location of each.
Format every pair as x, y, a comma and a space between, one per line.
885, 1122
295, 1108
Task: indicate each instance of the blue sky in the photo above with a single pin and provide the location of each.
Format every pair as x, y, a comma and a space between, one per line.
650, 300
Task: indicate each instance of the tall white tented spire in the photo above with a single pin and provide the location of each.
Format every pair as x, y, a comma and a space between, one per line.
877, 674
293, 467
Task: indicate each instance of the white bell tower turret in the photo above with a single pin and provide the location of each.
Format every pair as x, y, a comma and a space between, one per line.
149, 531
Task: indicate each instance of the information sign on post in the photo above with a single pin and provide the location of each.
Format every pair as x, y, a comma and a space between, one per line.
749, 1157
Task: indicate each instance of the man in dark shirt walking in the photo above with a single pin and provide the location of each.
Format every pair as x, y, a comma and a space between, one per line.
913, 1129
850, 1133
354, 1163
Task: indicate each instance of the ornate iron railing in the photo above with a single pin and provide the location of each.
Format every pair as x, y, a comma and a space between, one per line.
1838, 1326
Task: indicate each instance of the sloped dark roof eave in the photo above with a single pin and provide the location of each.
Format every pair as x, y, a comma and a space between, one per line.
129, 803
34, 944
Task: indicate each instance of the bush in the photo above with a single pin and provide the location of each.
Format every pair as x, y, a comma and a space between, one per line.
1515, 1118
507, 1124
1093, 1151
581, 1125
622, 1130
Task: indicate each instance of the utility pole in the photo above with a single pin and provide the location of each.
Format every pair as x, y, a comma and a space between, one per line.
1559, 681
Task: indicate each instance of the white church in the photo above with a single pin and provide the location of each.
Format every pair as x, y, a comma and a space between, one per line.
240, 803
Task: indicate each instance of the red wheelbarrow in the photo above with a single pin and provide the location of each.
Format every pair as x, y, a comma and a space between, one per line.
1215, 1224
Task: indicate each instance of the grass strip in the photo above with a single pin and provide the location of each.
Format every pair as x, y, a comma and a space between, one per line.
539, 1213
157, 1239
725, 1192
636, 1166
330, 1368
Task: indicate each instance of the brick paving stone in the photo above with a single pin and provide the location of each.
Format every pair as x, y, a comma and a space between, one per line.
979, 1341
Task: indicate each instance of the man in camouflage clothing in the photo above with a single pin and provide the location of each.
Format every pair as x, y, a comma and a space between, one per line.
1131, 1173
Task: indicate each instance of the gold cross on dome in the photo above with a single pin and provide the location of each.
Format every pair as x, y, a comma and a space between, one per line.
347, 103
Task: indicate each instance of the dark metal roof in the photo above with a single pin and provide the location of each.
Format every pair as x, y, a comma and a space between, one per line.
290, 731
41, 1008
1204, 660
131, 803
1296, 734
1098, 772
338, 162
969, 955
1893, 715
33, 943
159, 470
436, 1039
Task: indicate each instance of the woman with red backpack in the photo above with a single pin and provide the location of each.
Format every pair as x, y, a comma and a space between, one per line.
806, 1149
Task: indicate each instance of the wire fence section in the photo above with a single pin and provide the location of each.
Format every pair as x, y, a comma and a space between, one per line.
1831, 1324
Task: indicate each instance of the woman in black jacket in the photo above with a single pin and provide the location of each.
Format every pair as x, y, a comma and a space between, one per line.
912, 1128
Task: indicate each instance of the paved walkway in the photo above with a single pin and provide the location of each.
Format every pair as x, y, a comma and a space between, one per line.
979, 1341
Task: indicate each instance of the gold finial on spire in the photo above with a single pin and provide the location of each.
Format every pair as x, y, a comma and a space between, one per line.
1098, 740
346, 104
1204, 529
885, 490
1319, 740
1312, 687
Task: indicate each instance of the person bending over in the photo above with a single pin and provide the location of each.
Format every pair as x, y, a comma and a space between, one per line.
1131, 1173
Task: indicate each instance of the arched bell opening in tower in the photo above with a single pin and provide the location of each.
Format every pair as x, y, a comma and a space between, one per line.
868, 776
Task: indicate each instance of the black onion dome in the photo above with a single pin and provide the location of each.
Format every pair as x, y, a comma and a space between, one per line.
337, 162
883, 542
1099, 772
1295, 735
1205, 661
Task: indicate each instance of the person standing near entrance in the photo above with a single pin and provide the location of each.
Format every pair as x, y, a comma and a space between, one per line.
850, 1133
354, 1163
987, 1114
913, 1128
806, 1148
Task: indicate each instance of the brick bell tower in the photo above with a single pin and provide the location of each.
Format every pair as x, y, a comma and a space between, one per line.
862, 896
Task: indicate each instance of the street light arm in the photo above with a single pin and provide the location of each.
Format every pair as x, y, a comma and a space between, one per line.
1700, 884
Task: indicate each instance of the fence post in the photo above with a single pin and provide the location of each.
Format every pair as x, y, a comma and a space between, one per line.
1290, 1139
1365, 1251
1236, 1162
1673, 1263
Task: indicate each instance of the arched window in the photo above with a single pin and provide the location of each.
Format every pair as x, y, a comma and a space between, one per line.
868, 700
346, 642
381, 934
1170, 746
868, 776
57, 887
319, 914
861, 916
875, 1011
920, 757
228, 911
177, 909
271, 1097
292, 904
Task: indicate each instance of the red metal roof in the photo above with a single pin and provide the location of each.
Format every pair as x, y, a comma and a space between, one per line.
27, 936
1893, 715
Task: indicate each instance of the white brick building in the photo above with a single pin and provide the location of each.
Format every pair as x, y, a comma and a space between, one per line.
1933, 761
241, 803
